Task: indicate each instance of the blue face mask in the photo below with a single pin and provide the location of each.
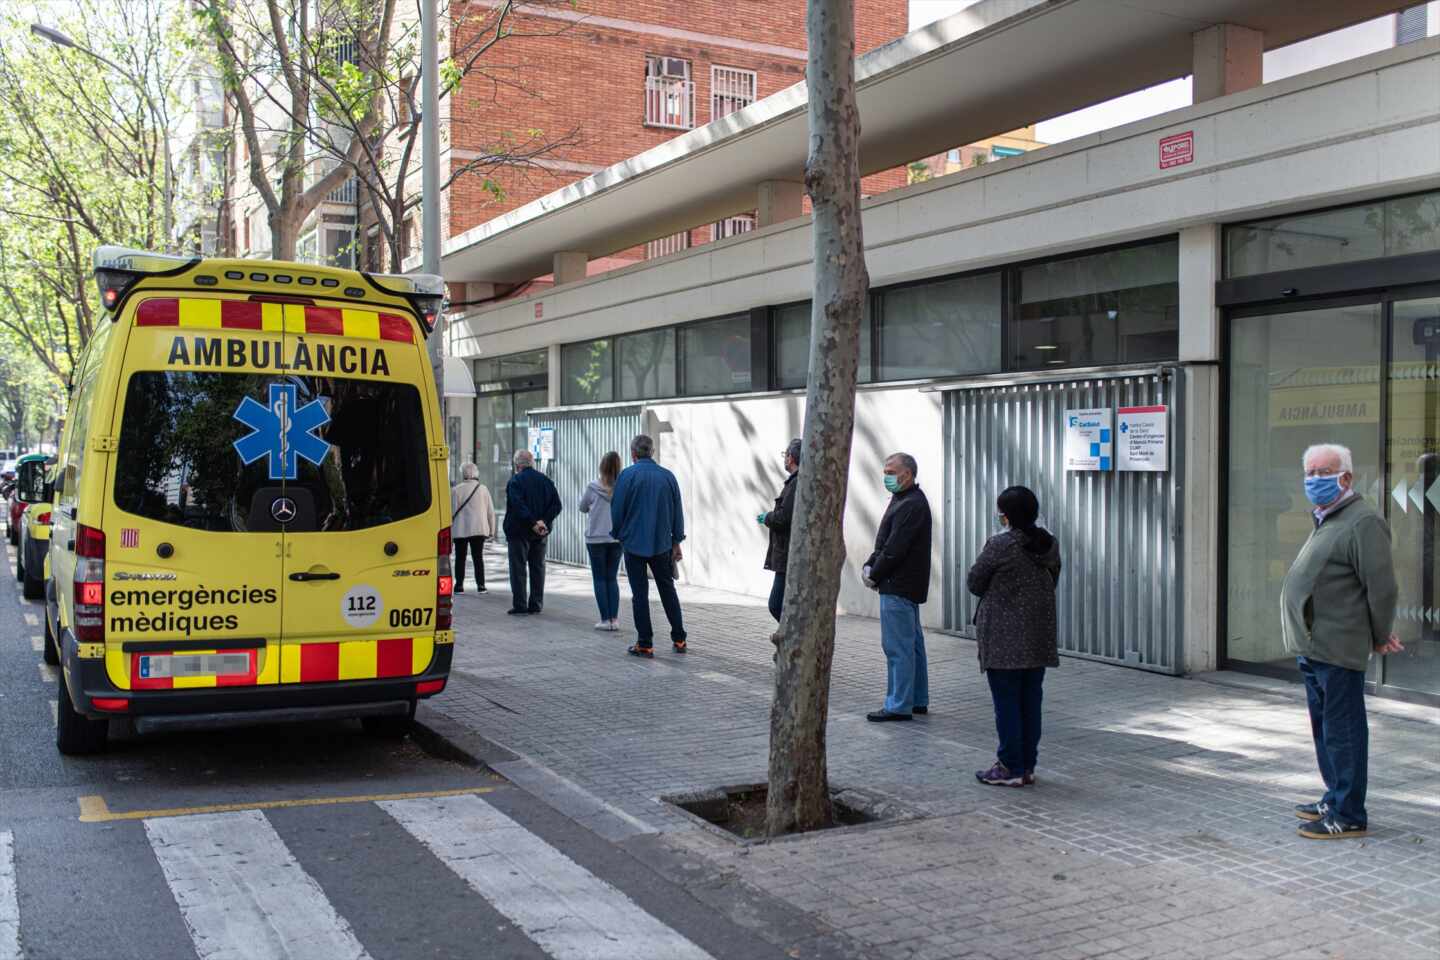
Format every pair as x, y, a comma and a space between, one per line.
1322, 490
892, 483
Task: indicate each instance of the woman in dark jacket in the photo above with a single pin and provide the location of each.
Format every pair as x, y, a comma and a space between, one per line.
1015, 578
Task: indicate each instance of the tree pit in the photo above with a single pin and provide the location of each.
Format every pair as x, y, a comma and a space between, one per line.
738, 812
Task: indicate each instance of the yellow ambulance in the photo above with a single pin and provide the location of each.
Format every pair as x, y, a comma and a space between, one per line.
251, 519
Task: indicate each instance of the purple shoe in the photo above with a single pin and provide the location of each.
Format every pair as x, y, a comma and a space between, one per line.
999, 776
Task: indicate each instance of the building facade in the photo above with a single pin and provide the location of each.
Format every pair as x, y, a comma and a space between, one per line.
1234, 280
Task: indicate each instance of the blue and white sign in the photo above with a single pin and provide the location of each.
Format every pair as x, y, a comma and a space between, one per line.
1088, 439
281, 432
542, 443
1144, 439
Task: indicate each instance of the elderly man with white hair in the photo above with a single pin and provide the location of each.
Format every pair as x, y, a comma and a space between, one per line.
1337, 607
531, 505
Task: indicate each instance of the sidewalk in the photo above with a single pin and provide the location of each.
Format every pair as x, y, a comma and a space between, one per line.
1161, 826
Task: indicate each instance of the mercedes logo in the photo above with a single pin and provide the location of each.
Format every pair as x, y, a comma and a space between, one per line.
282, 509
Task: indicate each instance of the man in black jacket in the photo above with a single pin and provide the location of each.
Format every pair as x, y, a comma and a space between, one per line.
778, 522
900, 569
531, 505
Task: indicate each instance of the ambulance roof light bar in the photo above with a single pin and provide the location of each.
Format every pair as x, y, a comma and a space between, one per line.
118, 268
425, 291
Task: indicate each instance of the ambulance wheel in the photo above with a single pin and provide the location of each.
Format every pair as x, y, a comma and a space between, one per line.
76, 735
50, 654
32, 588
19, 567
13, 535
390, 727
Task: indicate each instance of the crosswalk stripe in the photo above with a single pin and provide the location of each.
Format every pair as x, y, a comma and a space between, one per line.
9, 902
48, 674
568, 911
243, 895
32, 619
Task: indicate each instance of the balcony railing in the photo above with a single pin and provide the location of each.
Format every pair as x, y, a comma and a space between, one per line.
669, 102
345, 193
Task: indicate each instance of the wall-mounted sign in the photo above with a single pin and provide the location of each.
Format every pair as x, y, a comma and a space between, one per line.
542, 443
1142, 440
1087, 439
1177, 149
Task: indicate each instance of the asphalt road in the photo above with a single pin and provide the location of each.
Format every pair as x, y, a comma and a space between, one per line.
308, 842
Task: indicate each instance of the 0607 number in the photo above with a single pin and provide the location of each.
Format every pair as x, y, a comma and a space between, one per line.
411, 616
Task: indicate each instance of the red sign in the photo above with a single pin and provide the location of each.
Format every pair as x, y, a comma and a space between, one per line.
1177, 149
539, 309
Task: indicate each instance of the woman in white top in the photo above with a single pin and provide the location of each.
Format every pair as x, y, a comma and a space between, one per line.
472, 523
604, 549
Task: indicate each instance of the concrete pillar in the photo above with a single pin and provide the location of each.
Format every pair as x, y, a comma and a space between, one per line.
1199, 272
778, 200
1227, 59
478, 290
552, 369
569, 266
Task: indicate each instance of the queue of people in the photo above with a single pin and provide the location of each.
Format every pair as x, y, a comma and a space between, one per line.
1338, 600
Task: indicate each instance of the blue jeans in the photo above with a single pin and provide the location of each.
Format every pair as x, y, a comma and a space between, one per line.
1017, 695
663, 567
777, 596
907, 672
1336, 697
605, 570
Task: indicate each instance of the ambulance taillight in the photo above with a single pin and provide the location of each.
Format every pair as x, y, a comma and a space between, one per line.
89, 585
444, 581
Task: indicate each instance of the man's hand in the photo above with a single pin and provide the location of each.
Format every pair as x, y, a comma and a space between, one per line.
676, 553
1391, 645
540, 528
865, 576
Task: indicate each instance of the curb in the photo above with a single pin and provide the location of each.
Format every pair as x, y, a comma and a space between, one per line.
447, 739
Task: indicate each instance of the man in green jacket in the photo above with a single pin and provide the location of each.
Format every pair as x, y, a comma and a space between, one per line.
1337, 606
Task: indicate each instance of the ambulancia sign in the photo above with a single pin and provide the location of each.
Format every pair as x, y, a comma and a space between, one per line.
1088, 439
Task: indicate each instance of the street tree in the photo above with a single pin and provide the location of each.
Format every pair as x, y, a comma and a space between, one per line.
799, 789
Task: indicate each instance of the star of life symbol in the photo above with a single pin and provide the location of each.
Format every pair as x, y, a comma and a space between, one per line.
281, 432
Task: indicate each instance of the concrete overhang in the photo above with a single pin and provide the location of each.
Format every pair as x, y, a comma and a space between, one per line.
995, 66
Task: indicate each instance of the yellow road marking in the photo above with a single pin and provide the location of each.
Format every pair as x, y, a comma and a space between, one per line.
93, 808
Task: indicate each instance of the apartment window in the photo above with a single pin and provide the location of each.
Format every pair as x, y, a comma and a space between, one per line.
307, 248
733, 226
248, 245
1410, 25
953, 155
669, 93
1119, 306
372, 250
587, 372
646, 364
340, 248
667, 245
731, 89
407, 235
716, 356
940, 329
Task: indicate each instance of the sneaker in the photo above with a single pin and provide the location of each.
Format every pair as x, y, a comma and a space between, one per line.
1331, 829
614, 626
604, 625
885, 716
679, 646
1312, 811
999, 776
1029, 778
638, 651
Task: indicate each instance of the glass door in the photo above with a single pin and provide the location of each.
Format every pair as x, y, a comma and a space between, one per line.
1412, 500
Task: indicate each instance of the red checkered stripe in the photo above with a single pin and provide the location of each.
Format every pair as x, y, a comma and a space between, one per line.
251, 315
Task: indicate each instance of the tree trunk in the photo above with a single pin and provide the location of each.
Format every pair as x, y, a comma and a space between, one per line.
799, 793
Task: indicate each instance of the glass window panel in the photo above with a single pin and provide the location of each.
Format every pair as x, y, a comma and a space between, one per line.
1296, 379
717, 356
1413, 500
941, 329
529, 364
792, 346
647, 364
1382, 228
1412, 224
1121, 306
587, 372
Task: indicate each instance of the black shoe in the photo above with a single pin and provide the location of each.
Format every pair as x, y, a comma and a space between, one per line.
921, 711
1312, 811
459, 589
1331, 829
533, 610
517, 612
481, 590
885, 716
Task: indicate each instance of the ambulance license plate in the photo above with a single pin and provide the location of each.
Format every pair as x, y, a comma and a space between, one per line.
194, 665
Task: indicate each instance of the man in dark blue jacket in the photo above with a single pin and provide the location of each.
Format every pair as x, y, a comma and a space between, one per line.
647, 518
531, 505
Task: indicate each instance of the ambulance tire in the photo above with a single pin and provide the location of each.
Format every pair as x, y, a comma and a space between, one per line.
389, 728
50, 654
19, 566
31, 588
76, 735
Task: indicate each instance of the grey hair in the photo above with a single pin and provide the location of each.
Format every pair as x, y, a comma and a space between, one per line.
524, 458
906, 461
468, 471
642, 446
1347, 462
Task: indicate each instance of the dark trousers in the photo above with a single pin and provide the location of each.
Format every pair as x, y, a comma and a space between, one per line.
527, 556
777, 596
605, 571
1336, 697
476, 546
1017, 695
663, 567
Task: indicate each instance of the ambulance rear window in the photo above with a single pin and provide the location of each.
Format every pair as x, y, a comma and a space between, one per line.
213, 451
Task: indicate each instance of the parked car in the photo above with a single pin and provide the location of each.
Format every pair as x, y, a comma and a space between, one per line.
15, 504
34, 544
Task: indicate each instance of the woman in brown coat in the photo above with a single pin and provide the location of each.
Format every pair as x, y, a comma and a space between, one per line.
1015, 578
